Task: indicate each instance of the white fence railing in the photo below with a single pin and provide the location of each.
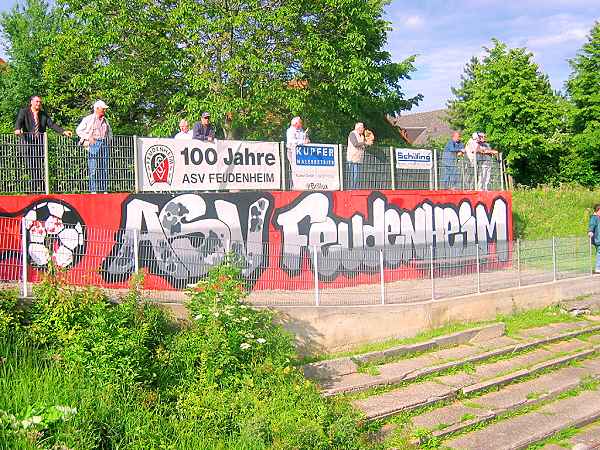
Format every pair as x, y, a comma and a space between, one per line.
277, 275
58, 164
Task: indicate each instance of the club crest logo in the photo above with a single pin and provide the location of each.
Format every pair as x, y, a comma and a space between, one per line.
160, 164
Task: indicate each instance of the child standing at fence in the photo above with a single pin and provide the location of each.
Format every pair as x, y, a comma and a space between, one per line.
594, 234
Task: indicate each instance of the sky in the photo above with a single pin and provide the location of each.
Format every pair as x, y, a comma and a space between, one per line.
445, 34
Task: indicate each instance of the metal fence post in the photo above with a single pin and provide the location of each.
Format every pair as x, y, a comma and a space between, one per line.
46, 168
136, 250
431, 270
24, 258
592, 263
340, 166
553, 260
381, 276
435, 170
475, 172
282, 166
316, 269
501, 172
393, 168
519, 262
136, 166
478, 268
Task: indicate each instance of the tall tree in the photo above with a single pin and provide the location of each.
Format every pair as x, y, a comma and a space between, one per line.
252, 64
583, 88
505, 95
27, 31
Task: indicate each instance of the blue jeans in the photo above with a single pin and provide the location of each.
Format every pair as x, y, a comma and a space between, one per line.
354, 172
597, 269
98, 165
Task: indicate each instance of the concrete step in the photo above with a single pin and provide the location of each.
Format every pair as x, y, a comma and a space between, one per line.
445, 387
461, 415
520, 432
438, 361
586, 438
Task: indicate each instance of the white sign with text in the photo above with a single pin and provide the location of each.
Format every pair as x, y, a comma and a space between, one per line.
315, 167
192, 165
411, 158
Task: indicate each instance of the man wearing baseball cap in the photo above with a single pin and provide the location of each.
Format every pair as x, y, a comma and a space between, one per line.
94, 133
203, 130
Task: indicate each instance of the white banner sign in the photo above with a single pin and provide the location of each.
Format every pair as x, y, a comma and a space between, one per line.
315, 167
410, 158
191, 165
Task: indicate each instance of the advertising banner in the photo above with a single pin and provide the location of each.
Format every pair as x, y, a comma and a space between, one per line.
316, 168
192, 165
410, 158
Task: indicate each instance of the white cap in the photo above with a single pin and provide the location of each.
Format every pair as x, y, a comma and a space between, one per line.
475, 135
100, 104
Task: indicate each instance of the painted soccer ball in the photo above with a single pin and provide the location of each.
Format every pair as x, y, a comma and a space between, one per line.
54, 232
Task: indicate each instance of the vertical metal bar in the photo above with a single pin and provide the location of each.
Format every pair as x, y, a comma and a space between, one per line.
478, 268
475, 185
592, 262
282, 166
316, 269
136, 250
24, 259
553, 260
381, 276
46, 169
431, 271
435, 170
136, 165
519, 261
340, 166
501, 171
393, 167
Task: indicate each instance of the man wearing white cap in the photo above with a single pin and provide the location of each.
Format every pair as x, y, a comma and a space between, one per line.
94, 132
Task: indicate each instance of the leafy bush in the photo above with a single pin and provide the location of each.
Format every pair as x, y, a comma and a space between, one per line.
225, 380
10, 314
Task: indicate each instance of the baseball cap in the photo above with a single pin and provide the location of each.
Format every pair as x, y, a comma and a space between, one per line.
205, 114
100, 104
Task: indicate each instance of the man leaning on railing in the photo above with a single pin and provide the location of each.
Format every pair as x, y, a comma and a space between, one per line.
31, 124
94, 132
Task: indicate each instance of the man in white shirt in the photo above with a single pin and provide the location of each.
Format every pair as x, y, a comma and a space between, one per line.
184, 130
94, 133
294, 136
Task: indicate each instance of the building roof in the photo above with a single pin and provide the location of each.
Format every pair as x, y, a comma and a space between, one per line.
421, 128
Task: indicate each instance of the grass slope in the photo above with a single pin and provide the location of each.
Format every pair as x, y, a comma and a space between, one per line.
545, 212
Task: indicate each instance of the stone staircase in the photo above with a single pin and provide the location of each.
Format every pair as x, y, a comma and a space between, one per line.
478, 389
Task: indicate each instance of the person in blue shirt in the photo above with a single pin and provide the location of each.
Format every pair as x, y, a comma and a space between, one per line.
450, 174
594, 234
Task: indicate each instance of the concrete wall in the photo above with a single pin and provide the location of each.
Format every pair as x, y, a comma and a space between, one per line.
336, 328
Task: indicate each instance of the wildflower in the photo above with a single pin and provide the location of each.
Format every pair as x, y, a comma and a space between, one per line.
250, 336
244, 319
34, 420
198, 317
244, 346
66, 411
261, 340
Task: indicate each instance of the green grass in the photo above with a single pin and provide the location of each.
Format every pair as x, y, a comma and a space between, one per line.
544, 212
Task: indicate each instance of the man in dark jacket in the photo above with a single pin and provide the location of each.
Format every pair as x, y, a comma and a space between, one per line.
203, 130
31, 124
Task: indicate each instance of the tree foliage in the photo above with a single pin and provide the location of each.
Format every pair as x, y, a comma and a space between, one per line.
583, 88
252, 64
505, 95
26, 31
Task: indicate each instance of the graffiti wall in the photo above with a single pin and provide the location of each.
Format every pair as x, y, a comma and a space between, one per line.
278, 238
